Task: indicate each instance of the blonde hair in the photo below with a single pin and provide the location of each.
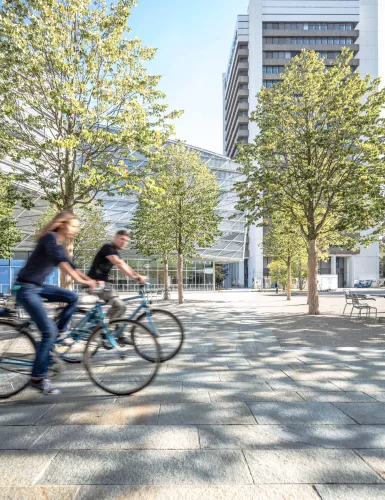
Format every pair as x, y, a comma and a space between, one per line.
60, 220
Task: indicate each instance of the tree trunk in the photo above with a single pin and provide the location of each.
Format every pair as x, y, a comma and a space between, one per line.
288, 292
165, 271
180, 279
66, 280
300, 282
312, 288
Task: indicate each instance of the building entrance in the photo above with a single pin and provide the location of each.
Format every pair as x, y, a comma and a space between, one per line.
341, 271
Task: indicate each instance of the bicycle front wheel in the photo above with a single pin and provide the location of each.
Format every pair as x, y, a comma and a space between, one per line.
168, 331
17, 355
121, 369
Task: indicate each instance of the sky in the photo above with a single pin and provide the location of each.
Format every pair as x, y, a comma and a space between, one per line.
193, 38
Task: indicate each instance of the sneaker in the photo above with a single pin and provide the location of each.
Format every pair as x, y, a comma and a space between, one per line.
44, 386
123, 340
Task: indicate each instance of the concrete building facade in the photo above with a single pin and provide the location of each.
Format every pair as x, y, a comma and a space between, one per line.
266, 38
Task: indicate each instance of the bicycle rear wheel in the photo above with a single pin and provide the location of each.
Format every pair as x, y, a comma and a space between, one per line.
17, 355
168, 331
121, 370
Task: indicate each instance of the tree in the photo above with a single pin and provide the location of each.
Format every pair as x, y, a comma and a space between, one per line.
76, 98
278, 272
320, 154
284, 243
176, 208
220, 274
150, 235
382, 257
92, 234
9, 196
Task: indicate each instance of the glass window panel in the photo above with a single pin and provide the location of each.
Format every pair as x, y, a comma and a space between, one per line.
342, 27
306, 41
269, 69
312, 41
287, 55
275, 69
330, 41
305, 26
281, 26
287, 26
324, 41
348, 27
318, 41
275, 26
348, 41
330, 26
281, 41
324, 27
336, 41
4, 262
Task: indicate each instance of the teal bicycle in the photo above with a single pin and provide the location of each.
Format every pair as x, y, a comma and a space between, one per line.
120, 368
166, 327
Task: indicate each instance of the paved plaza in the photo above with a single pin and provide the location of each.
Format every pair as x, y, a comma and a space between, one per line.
263, 402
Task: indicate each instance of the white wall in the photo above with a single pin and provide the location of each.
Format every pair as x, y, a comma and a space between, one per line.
367, 263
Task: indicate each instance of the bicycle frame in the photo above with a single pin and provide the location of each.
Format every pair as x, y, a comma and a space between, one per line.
95, 318
143, 305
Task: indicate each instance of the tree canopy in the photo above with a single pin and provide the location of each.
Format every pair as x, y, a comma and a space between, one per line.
176, 208
319, 155
76, 97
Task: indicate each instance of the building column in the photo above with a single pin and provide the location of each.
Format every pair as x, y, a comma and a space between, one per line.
333, 264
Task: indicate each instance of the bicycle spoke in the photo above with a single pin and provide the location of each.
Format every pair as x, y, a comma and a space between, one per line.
120, 370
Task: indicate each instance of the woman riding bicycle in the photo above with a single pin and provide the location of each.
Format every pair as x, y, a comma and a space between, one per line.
48, 254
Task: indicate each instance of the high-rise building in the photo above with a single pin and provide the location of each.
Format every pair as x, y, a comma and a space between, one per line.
265, 40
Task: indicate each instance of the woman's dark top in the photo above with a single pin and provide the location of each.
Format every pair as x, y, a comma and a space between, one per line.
46, 256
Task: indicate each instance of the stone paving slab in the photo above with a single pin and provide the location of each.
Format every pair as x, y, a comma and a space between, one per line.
99, 413
314, 374
374, 458
19, 437
147, 467
23, 468
309, 466
39, 493
281, 413
265, 492
200, 413
22, 414
378, 396
222, 396
338, 397
364, 413
360, 385
249, 375
118, 437
292, 436
351, 491
226, 386
179, 397
305, 385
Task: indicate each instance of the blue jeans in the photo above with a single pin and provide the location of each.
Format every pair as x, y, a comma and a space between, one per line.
30, 297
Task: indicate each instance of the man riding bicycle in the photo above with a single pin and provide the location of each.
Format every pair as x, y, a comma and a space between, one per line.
105, 259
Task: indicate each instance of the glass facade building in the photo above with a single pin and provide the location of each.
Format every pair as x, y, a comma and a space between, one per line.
118, 210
